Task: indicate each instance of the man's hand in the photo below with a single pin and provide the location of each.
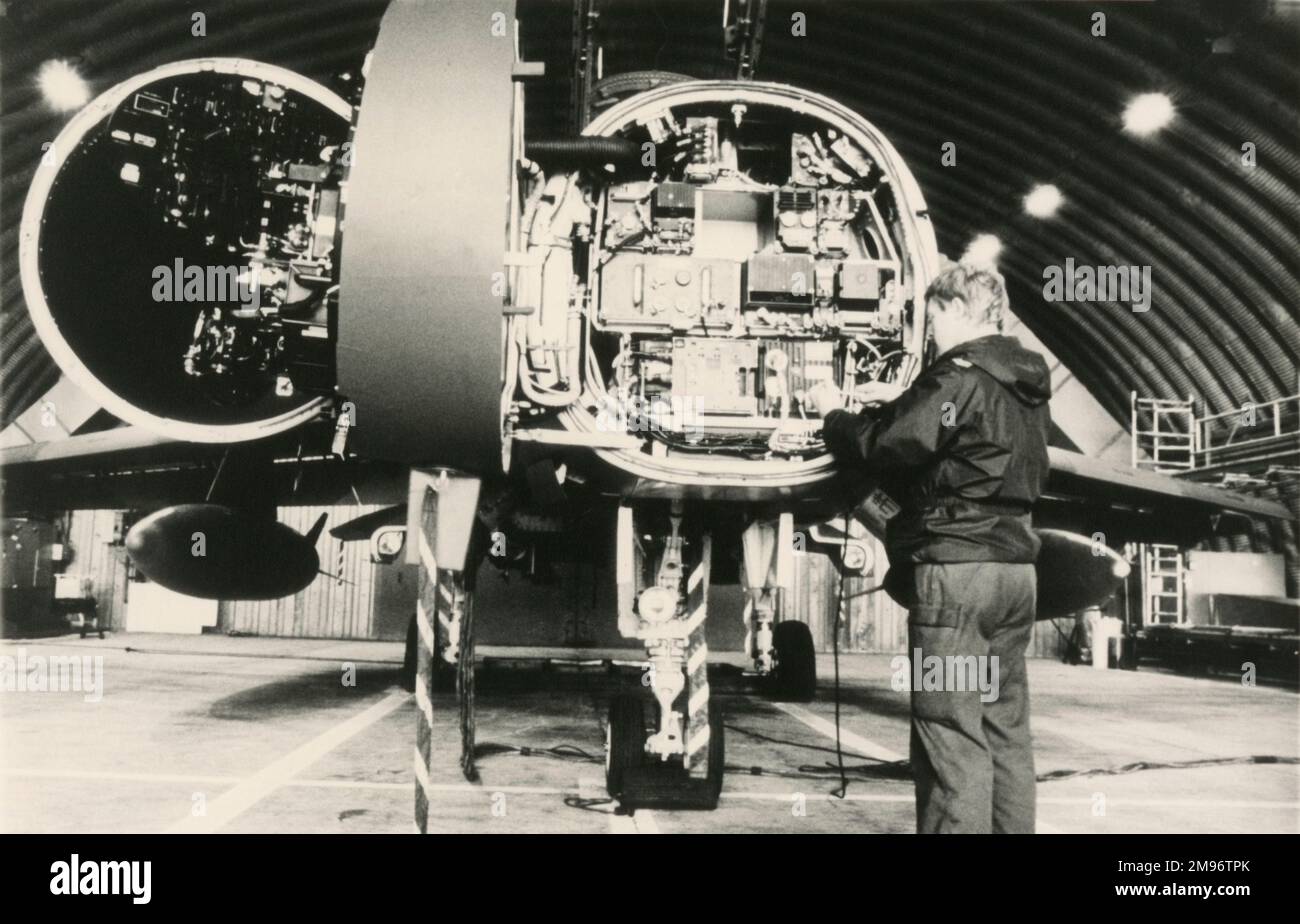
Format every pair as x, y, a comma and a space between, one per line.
825, 397
877, 393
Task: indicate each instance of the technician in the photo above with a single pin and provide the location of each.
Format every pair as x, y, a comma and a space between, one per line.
963, 452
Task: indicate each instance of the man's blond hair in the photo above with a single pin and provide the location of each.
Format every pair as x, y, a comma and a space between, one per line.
981, 290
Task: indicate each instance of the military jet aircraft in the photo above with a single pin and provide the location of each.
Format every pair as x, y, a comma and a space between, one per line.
629, 319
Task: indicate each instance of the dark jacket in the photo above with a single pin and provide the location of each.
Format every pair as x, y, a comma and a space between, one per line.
963, 451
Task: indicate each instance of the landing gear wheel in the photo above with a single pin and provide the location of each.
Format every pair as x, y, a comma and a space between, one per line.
710, 788
794, 678
624, 741
637, 780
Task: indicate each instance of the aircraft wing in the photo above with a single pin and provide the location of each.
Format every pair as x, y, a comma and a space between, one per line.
1089, 496
364, 526
104, 442
1074, 476
1073, 469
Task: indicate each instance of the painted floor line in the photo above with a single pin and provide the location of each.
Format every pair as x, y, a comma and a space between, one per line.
645, 822
621, 824
847, 738
652, 827
1175, 803
230, 804
115, 775
468, 788
641, 822
736, 796
192, 778
1042, 800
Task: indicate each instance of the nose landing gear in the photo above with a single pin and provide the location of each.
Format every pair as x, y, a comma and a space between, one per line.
783, 654
680, 763
637, 779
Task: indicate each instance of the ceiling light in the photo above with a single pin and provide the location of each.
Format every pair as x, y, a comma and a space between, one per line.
983, 250
1043, 200
63, 88
1147, 113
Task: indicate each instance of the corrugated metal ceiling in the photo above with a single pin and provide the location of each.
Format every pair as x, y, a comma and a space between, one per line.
1026, 92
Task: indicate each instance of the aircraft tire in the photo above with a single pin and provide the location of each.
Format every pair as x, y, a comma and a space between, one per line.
625, 741
637, 782
710, 787
794, 678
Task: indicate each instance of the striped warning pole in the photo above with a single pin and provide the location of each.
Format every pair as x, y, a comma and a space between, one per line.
426, 608
696, 735
448, 611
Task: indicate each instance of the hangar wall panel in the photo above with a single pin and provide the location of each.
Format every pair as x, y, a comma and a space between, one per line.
90, 536
374, 601
874, 623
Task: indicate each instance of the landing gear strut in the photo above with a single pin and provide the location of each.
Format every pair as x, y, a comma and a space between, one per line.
783, 654
663, 583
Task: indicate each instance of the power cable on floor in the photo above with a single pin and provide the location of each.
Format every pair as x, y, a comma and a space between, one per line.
892, 770
843, 789
1167, 765
570, 752
902, 769
588, 805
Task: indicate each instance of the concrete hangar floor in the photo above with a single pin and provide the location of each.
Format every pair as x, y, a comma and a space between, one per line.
215, 733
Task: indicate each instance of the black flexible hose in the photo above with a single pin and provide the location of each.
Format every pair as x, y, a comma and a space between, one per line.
583, 151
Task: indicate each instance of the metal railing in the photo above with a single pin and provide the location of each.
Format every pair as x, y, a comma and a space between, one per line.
1257, 432
1163, 432
1167, 436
